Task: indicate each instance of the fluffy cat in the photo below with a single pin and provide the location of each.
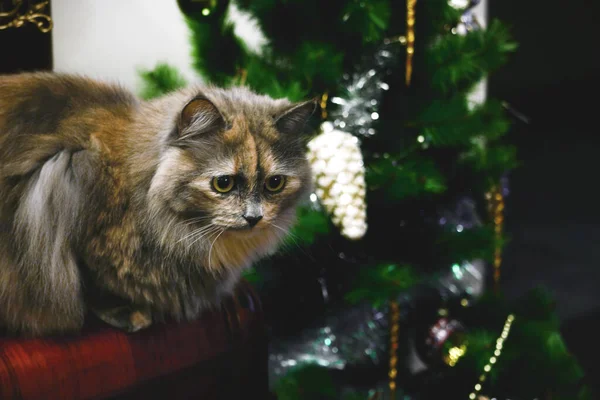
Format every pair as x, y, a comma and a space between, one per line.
137, 210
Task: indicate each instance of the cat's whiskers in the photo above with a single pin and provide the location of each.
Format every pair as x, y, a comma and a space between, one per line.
201, 233
198, 231
211, 246
295, 158
295, 240
194, 232
205, 234
287, 233
166, 232
196, 220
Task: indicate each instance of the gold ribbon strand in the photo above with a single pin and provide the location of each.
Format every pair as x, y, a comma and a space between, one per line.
410, 38
394, 337
323, 105
495, 202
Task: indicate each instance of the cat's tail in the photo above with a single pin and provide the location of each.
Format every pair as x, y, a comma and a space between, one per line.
40, 286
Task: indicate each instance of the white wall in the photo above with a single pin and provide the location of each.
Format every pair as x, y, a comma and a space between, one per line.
111, 39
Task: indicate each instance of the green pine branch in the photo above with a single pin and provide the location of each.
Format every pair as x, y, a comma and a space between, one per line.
311, 382
459, 62
252, 275
450, 122
264, 77
319, 63
469, 244
312, 56
306, 382
372, 18
409, 177
217, 53
439, 16
310, 225
534, 356
378, 284
492, 160
307, 72
161, 80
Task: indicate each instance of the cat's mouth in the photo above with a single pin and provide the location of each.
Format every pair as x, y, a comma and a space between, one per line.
225, 226
238, 228
243, 228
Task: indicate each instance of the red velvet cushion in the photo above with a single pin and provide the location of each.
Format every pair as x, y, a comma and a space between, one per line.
217, 354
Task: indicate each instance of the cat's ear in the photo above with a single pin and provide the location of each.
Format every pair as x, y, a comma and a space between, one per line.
199, 116
295, 118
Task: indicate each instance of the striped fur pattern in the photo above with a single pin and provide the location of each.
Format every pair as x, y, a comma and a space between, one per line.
104, 196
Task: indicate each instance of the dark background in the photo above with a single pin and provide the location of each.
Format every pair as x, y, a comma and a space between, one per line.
552, 213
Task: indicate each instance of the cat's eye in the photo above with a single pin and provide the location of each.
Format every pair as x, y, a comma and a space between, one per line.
275, 183
223, 183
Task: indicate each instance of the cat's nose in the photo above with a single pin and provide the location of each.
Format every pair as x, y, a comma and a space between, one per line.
252, 219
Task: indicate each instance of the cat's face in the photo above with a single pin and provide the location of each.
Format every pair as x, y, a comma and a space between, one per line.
236, 166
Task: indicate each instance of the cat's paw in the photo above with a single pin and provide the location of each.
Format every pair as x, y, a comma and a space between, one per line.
126, 318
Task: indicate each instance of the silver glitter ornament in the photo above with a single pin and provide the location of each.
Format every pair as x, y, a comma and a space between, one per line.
463, 4
357, 110
462, 215
468, 277
352, 337
468, 23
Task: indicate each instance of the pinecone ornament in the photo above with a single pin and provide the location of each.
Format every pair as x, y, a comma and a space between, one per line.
339, 175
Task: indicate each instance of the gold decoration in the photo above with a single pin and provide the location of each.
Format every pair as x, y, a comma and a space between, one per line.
33, 15
394, 336
495, 202
454, 354
323, 105
410, 37
494, 358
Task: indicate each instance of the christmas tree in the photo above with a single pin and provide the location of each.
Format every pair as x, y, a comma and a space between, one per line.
389, 259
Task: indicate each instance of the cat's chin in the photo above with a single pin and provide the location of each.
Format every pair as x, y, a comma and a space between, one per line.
239, 249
